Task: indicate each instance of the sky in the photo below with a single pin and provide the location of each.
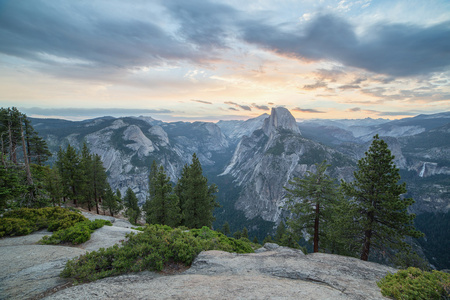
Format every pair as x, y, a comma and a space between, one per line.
202, 60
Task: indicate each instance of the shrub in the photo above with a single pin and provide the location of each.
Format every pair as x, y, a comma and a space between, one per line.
77, 234
13, 226
53, 218
414, 283
151, 249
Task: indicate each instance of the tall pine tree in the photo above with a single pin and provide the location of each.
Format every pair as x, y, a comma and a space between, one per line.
376, 193
198, 199
130, 201
311, 201
161, 206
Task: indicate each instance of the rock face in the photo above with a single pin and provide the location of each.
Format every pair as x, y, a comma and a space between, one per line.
29, 269
273, 272
280, 119
127, 146
264, 162
269, 148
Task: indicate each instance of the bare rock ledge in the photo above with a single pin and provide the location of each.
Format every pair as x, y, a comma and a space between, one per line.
272, 273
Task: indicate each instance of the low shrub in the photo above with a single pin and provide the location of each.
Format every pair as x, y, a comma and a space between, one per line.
13, 226
414, 283
151, 249
76, 234
29, 220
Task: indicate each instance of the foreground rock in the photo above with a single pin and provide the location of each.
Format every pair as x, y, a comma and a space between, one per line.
273, 272
29, 269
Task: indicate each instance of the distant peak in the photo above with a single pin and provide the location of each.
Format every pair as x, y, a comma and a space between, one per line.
280, 118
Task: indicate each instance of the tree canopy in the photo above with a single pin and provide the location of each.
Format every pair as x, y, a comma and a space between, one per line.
382, 215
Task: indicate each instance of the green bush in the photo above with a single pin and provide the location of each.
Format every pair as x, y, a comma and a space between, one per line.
414, 283
29, 220
13, 226
151, 249
77, 234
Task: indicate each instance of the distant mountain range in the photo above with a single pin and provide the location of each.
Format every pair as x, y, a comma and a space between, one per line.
251, 161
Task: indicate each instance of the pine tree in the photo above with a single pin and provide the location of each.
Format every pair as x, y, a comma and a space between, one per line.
181, 190
133, 210
310, 202
111, 201
226, 228
99, 180
376, 192
244, 233
86, 189
53, 186
198, 199
161, 206
68, 165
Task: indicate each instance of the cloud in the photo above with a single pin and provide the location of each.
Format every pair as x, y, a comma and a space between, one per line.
232, 108
99, 40
349, 87
354, 109
201, 101
243, 107
308, 110
91, 112
331, 75
261, 107
89, 37
396, 113
315, 86
392, 49
203, 23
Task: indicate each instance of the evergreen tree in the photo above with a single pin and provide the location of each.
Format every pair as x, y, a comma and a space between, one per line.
68, 165
181, 190
311, 201
244, 233
255, 240
86, 189
111, 201
11, 183
53, 186
99, 180
237, 235
376, 192
130, 201
226, 228
161, 206
198, 199
281, 230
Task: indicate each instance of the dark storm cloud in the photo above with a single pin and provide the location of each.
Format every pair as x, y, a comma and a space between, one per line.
92, 112
308, 110
243, 107
393, 49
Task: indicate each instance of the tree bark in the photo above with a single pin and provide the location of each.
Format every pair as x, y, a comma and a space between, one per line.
25, 157
367, 238
316, 229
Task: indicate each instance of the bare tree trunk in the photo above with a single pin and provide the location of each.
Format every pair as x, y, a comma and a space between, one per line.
25, 157
316, 229
3, 152
367, 238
